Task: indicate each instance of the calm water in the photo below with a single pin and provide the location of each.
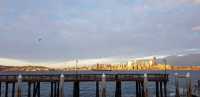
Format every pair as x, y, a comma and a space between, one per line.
88, 89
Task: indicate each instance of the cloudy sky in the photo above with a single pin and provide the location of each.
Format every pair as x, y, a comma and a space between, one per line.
59, 30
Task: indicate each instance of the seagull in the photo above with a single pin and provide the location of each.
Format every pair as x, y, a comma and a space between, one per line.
39, 39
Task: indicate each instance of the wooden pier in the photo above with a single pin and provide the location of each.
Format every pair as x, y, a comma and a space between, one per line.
13, 83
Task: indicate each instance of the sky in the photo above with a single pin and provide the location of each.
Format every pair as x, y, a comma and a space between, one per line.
61, 30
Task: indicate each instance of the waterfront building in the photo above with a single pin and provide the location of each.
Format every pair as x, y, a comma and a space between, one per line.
142, 63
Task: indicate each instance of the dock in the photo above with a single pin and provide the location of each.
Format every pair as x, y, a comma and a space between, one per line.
13, 83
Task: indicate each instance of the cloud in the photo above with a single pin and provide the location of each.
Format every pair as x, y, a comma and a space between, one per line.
91, 28
196, 28
195, 1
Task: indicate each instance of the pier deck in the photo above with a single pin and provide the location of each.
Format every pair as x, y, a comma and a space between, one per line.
56, 82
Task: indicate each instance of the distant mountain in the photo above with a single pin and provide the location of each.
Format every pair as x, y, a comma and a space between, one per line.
187, 59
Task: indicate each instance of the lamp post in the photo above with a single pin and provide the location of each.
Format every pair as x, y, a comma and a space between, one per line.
76, 66
165, 62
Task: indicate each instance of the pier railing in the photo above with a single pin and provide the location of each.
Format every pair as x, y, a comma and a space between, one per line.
84, 77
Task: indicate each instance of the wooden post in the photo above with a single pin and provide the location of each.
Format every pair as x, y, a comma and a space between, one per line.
161, 89
76, 88
145, 85
29, 89
61, 87
165, 88
157, 89
51, 92
177, 85
97, 88
57, 89
13, 89
103, 85
6, 93
55, 86
0, 89
19, 81
189, 85
142, 89
38, 88
118, 87
34, 89
198, 87
137, 87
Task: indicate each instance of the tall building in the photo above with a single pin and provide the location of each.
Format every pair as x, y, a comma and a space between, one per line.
142, 63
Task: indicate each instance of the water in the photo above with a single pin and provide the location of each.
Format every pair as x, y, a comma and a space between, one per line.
88, 89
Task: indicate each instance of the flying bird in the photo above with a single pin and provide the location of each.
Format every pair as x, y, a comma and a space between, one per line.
39, 39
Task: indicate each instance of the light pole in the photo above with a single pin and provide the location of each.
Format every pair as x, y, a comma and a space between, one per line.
165, 62
76, 66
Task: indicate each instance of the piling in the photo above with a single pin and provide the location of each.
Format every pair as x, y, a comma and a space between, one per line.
157, 89
29, 89
13, 89
198, 87
38, 88
118, 92
51, 91
142, 88
55, 88
189, 85
0, 89
165, 88
103, 85
34, 89
76, 88
136, 89
19, 81
177, 85
61, 87
97, 88
6, 93
145, 85
139, 88
161, 89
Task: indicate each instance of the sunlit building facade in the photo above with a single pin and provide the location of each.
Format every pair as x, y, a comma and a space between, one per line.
143, 63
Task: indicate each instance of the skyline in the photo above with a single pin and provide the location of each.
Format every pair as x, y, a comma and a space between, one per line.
190, 59
56, 31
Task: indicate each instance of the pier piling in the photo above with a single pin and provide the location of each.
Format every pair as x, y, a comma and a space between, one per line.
29, 89
145, 85
103, 85
161, 89
157, 89
177, 85
97, 88
55, 87
13, 89
19, 81
61, 87
0, 89
76, 88
118, 91
137, 89
6, 93
165, 88
189, 85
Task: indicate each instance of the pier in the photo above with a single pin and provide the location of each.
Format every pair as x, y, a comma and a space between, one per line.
13, 84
